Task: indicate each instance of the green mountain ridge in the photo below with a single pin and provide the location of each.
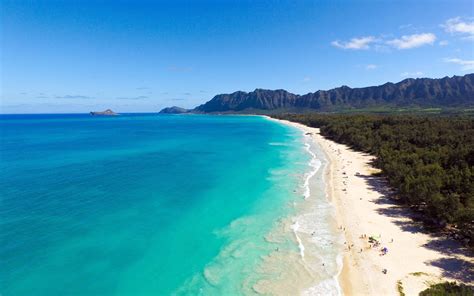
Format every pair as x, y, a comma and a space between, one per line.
455, 91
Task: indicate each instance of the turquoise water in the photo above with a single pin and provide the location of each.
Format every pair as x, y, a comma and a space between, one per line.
146, 204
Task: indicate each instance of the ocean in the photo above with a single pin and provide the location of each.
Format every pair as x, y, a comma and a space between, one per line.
144, 204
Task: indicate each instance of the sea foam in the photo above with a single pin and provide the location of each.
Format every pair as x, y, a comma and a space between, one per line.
317, 231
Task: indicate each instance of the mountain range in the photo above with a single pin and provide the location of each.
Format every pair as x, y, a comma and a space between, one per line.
456, 91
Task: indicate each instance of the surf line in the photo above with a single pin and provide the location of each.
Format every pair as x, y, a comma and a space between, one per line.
313, 164
307, 192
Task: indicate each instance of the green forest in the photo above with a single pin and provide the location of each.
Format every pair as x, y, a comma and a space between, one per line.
429, 160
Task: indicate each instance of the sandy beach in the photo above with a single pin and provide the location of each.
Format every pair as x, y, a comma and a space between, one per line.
414, 259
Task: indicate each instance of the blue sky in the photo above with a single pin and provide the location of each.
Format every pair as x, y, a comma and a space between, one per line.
135, 56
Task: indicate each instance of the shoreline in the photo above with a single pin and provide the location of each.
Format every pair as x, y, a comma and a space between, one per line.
415, 258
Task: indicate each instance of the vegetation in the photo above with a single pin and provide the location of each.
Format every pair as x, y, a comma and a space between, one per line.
428, 160
418, 273
400, 288
387, 110
429, 95
448, 289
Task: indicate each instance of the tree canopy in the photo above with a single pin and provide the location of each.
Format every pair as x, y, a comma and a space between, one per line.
428, 160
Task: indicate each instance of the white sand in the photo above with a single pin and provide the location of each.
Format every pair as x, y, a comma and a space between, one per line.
362, 209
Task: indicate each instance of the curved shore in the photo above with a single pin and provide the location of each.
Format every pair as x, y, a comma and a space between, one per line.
415, 258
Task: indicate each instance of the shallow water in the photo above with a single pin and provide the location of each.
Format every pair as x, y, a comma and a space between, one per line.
146, 204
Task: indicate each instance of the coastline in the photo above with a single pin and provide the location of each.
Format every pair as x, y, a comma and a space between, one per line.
415, 259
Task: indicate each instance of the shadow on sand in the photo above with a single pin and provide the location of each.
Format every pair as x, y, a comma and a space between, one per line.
407, 219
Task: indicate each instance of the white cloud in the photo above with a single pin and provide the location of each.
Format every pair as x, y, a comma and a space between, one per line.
466, 65
355, 43
371, 67
411, 74
443, 43
459, 26
307, 79
412, 41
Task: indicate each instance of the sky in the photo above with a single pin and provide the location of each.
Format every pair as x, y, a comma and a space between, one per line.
141, 56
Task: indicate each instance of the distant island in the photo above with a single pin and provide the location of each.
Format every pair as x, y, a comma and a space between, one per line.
107, 112
456, 91
174, 110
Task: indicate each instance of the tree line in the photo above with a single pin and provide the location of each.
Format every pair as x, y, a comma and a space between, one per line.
428, 160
